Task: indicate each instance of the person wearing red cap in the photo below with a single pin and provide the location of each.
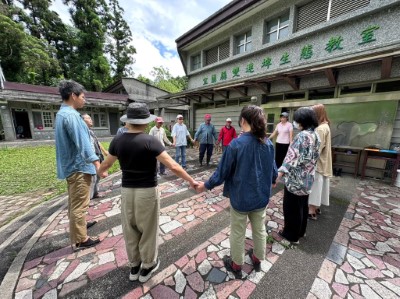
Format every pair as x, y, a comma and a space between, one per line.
159, 132
227, 134
207, 135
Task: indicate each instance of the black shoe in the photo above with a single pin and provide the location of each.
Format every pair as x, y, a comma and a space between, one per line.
90, 224
228, 265
145, 274
257, 266
134, 275
88, 243
201, 163
318, 211
339, 172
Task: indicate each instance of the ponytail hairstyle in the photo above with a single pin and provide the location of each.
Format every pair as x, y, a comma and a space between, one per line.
320, 112
255, 117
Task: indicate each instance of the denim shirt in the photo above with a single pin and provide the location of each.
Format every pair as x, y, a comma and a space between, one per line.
207, 133
74, 151
248, 169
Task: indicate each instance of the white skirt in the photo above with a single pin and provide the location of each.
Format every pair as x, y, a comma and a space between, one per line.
319, 191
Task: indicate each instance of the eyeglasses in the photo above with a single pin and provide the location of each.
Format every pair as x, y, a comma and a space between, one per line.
180, 118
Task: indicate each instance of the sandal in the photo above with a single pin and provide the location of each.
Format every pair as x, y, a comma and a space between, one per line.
318, 211
312, 216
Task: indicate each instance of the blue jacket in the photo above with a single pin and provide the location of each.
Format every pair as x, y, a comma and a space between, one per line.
206, 134
248, 169
74, 151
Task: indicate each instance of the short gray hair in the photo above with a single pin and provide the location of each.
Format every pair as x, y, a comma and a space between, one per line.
68, 87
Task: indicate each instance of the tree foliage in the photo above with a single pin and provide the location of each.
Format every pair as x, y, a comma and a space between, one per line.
119, 42
164, 80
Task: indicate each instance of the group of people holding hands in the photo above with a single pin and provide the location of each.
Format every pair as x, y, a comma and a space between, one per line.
247, 168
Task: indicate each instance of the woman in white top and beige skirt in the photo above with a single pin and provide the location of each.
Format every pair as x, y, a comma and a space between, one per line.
320, 189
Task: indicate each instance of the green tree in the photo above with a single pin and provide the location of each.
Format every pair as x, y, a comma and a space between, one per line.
144, 79
119, 39
90, 67
26, 58
164, 80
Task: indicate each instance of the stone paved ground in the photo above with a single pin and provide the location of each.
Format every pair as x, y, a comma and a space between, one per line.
363, 261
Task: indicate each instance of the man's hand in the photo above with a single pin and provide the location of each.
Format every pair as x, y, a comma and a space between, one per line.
201, 187
103, 174
194, 184
173, 144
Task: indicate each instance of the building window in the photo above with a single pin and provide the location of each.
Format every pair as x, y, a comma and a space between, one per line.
195, 62
99, 119
277, 28
243, 43
320, 11
217, 53
270, 123
47, 119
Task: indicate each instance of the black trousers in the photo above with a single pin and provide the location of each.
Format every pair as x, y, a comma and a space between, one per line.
295, 212
203, 148
280, 153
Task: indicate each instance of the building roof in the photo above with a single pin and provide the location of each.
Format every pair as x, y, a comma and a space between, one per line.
222, 15
54, 91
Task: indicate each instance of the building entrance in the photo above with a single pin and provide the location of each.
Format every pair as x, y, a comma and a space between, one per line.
21, 123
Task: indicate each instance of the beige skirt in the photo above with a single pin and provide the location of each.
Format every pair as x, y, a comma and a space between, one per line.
319, 191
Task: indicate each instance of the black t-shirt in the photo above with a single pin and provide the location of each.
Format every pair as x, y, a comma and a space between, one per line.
137, 154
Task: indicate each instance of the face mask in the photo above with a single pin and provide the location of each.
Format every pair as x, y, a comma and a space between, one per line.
295, 125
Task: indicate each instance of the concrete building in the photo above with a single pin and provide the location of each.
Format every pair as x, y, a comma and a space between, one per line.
282, 55
142, 92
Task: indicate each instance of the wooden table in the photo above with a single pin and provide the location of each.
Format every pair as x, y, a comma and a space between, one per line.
348, 151
388, 156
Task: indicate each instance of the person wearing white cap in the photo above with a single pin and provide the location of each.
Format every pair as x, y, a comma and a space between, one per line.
179, 134
138, 154
284, 130
159, 132
227, 134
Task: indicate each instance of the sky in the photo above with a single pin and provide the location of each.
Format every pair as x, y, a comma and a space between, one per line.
155, 25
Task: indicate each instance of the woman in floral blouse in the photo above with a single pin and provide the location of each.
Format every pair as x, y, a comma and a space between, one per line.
298, 171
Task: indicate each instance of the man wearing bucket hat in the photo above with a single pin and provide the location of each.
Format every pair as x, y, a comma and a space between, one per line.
159, 132
137, 153
207, 135
227, 134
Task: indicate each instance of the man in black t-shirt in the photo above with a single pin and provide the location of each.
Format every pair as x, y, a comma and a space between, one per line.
137, 153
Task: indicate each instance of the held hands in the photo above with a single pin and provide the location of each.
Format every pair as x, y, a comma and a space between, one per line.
201, 187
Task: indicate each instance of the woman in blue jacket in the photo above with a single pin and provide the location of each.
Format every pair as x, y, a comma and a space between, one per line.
248, 169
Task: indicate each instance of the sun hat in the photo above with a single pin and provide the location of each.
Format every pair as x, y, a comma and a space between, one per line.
137, 114
207, 116
228, 119
179, 116
159, 119
285, 114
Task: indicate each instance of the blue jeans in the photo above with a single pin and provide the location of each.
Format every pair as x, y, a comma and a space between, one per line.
181, 153
203, 148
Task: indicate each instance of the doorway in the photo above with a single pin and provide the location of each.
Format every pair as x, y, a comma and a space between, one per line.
22, 127
114, 122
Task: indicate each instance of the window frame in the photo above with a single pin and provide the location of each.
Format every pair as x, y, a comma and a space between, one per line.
193, 64
246, 42
47, 123
278, 28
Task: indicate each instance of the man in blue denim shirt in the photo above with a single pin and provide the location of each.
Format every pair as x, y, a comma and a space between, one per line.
248, 169
207, 135
76, 161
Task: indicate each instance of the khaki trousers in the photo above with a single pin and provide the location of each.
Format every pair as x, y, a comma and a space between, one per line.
78, 203
238, 232
140, 209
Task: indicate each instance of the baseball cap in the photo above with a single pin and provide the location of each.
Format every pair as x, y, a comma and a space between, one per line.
284, 114
228, 119
159, 120
179, 116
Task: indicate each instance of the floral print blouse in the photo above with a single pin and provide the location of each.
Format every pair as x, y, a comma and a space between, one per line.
300, 162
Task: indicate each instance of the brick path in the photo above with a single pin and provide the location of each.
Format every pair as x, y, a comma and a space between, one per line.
363, 262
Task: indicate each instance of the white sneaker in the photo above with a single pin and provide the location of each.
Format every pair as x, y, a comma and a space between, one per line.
145, 274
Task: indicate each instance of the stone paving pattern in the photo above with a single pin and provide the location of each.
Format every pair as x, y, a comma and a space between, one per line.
363, 261
364, 258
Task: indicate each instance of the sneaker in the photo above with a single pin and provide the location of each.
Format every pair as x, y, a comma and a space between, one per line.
228, 265
88, 243
280, 233
90, 223
312, 216
158, 176
318, 211
134, 275
145, 274
256, 265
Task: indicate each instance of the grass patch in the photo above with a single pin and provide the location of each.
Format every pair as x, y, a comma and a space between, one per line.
33, 170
